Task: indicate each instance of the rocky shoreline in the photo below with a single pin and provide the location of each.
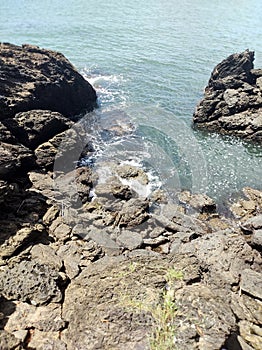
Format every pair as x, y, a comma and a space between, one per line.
87, 260
232, 102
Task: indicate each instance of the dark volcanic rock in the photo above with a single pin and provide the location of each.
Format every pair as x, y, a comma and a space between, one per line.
6, 135
232, 103
14, 158
30, 282
232, 70
37, 126
34, 78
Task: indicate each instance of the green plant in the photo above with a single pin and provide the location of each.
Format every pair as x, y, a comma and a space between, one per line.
164, 315
173, 274
163, 309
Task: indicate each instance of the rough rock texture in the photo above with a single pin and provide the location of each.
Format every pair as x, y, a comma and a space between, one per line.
14, 159
232, 102
30, 282
36, 127
91, 258
34, 78
124, 303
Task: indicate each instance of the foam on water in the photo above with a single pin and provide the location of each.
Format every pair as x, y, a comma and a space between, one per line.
146, 61
109, 88
176, 156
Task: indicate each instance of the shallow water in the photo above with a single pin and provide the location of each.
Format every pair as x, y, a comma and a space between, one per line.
151, 61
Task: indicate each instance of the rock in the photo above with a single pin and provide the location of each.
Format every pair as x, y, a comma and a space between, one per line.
21, 334
44, 318
174, 221
133, 213
200, 202
30, 282
155, 241
64, 150
45, 155
256, 239
34, 78
44, 254
249, 207
246, 307
9, 342
130, 239
36, 127
225, 255
113, 191
252, 334
121, 191
232, 102
198, 316
42, 183
6, 135
236, 66
243, 344
104, 239
122, 298
51, 214
22, 238
84, 182
251, 282
4, 190
253, 223
14, 159
132, 172
59, 229
104, 303
46, 340
72, 189
78, 254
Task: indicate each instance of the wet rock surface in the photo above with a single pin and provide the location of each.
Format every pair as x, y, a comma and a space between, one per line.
232, 102
94, 257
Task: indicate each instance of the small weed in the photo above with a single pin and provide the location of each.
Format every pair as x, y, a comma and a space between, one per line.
163, 311
173, 274
131, 269
165, 314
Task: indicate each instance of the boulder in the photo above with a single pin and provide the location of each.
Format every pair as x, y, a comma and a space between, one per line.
36, 127
200, 202
35, 78
232, 102
133, 213
64, 149
30, 282
14, 159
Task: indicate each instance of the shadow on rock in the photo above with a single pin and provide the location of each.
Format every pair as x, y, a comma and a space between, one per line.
7, 307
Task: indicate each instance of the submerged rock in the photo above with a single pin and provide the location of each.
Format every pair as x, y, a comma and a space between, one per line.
232, 102
90, 258
34, 78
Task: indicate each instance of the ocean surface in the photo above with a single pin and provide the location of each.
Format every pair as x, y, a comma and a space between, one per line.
149, 62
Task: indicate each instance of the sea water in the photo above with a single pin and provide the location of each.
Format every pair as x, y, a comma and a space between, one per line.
150, 61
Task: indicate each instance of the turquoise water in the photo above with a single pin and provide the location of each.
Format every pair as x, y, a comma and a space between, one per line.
152, 60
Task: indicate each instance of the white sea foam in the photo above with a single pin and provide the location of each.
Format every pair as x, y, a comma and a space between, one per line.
108, 87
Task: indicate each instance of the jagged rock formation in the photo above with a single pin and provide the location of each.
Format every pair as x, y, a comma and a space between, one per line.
34, 78
91, 259
232, 102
